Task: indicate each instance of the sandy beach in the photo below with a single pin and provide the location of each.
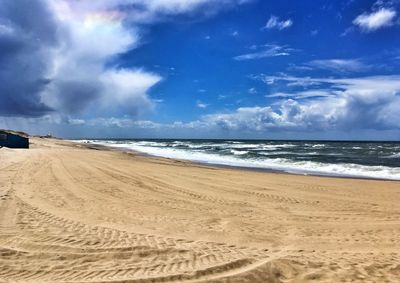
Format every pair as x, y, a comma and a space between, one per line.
70, 213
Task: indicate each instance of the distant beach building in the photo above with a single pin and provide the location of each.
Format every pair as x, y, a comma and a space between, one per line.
12, 139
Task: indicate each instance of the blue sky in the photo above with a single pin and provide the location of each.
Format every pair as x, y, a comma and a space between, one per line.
201, 68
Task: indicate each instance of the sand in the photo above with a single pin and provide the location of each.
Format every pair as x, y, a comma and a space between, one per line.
69, 213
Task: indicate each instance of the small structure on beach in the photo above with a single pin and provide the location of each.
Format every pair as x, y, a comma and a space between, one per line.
13, 139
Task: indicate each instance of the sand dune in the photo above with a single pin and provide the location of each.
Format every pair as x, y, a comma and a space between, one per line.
74, 214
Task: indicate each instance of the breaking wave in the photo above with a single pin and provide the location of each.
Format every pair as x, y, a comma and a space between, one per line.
329, 158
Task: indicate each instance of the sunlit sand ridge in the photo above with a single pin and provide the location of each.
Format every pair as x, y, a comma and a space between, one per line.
69, 213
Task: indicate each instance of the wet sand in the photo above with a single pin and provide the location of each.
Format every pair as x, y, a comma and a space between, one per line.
69, 213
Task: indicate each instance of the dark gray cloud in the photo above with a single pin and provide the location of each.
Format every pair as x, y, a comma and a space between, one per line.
54, 62
75, 95
27, 32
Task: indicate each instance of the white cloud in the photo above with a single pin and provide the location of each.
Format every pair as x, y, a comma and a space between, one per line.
340, 65
125, 89
252, 90
173, 7
275, 23
303, 94
122, 123
360, 103
289, 80
150, 11
76, 121
269, 50
200, 104
383, 17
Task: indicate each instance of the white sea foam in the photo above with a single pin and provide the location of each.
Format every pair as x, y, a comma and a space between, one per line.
268, 153
244, 145
395, 155
239, 152
318, 145
281, 164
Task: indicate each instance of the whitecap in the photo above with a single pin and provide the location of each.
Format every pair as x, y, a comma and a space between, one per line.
239, 152
395, 155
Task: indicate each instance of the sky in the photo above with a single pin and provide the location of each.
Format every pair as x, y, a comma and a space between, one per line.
233, 69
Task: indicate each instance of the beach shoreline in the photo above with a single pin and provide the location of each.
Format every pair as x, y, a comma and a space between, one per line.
76, 212
237, 167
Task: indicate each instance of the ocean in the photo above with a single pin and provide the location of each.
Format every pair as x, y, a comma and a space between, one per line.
377, 160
